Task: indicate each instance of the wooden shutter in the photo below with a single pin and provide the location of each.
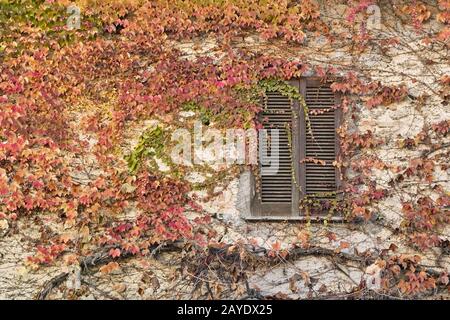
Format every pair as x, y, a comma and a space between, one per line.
277, 187
320, 178
313, 137
278, 196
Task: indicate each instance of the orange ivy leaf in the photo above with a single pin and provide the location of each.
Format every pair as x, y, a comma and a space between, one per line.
110, 267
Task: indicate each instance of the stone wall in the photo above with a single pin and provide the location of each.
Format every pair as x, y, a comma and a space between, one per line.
151, 278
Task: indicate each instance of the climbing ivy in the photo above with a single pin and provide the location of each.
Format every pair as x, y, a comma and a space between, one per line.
60, 169
150, 146
287, 90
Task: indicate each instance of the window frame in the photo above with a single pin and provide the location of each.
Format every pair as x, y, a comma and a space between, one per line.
273, 211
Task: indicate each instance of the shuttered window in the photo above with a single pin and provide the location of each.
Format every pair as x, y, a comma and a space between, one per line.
307, 147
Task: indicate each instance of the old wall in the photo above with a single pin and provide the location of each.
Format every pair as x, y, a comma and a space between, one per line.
404, 119
309, 275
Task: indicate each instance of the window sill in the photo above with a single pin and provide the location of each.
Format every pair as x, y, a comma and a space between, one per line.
317, 219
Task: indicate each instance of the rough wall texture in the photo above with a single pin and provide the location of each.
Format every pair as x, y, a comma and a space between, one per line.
151, 278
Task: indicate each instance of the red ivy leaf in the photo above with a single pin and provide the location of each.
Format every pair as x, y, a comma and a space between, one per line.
114, 253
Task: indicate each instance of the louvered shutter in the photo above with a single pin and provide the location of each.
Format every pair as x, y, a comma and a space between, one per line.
276, 186
316, 138
278, 196
320, 178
